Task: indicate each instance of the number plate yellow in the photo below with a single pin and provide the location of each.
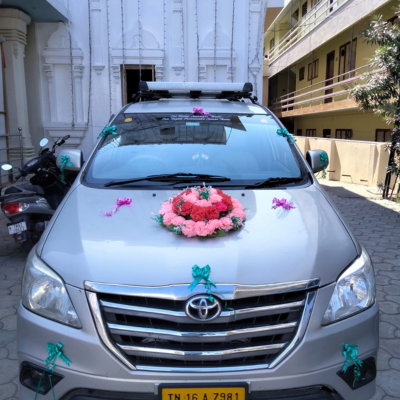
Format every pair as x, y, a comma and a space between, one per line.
219, 393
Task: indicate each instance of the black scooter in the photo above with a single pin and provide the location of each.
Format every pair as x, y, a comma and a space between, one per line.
29, 207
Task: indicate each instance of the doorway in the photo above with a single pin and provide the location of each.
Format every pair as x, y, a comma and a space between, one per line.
330, 64
132, 78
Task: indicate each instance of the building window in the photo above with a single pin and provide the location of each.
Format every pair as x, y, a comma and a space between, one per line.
315, 2
344, 134
383, 135
326, 133
345, 64
313, 69
299, 132
311, 132
301, 73
304, 9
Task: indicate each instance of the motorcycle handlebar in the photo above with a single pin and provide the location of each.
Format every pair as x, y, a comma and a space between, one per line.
18, 176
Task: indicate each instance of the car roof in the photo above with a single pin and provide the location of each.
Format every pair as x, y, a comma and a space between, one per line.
187, 105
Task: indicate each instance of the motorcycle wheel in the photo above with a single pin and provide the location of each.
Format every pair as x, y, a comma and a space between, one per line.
34, 234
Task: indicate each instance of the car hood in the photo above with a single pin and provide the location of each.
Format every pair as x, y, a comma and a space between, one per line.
130, 248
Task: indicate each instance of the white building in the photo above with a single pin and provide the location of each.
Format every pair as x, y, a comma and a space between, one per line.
70, 64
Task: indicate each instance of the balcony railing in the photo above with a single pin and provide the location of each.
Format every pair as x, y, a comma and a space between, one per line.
304, 26
324, 92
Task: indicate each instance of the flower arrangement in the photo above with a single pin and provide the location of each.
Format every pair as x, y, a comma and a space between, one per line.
202, 212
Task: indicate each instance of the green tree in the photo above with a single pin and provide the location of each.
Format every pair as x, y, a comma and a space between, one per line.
379, 89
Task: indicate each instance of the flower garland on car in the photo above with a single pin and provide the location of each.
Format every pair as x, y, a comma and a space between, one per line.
202, 212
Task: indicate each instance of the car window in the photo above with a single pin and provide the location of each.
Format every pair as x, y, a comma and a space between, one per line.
240, 147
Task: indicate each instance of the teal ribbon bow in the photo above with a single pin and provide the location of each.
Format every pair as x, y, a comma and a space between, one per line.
55, 351
64, 161
109, 130
284, 133
324, 162
200, 274
350, 352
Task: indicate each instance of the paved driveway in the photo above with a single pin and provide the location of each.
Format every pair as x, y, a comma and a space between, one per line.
376, 224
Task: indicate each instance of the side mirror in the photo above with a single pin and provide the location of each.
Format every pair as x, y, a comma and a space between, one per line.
317, 160
43, 142
75, 158
6, 167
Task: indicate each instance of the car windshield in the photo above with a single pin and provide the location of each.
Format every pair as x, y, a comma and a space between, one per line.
246, 149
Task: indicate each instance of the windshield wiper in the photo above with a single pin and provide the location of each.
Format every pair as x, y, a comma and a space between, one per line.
272, 182
179, 176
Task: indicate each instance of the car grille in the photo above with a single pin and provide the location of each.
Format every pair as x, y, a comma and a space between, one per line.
156, 334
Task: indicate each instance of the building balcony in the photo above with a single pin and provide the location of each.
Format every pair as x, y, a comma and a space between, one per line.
318, 14
321, 97
326, 20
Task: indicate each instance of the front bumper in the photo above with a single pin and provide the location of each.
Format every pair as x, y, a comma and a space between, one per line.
314, 363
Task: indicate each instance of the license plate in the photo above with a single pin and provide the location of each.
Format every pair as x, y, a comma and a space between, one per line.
17, 228
203, 393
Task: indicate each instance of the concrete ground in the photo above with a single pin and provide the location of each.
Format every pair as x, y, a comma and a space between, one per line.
375, 222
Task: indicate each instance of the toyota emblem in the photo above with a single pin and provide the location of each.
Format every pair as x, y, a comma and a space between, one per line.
200, 308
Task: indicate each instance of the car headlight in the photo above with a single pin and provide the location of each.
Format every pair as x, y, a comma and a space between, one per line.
354, 291
44, 293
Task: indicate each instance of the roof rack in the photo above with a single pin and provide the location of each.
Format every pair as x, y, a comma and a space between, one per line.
193, 90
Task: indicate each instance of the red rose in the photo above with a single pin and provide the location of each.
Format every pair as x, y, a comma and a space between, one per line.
220, 192
227, 201
220, 206
186, 208
175, 203
212, 213
198, 213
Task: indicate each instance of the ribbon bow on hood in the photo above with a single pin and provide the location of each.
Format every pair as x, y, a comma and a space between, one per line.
282, 203
202, 273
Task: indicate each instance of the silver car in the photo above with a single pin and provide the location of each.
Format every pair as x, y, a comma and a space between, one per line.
107, 312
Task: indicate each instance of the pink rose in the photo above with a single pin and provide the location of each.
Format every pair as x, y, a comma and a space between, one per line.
221, 207
191, 198
215, 198
166, 207
196, 193
226, 224
202, 203
178, 221
213, 225
168, 217
236, 204
201, 229
237, 212
188, 228
213, 191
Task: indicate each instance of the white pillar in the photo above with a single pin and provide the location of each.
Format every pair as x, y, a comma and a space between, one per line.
13, 25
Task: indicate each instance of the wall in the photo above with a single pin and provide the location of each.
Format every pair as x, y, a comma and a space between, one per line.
363, 163
169, 32
32, 72
363, 123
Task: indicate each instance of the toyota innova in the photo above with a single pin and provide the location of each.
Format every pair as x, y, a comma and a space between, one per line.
119, 303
